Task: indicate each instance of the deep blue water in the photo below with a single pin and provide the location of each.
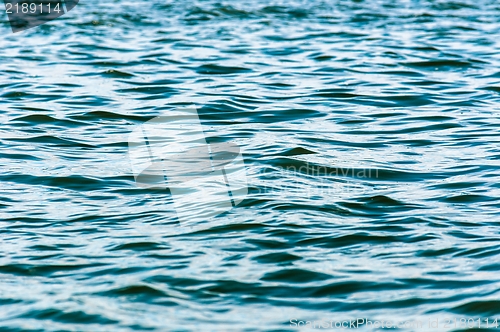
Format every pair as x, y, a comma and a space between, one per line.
370, 133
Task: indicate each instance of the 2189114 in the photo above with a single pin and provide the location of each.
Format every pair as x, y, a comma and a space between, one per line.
26, 14
33, 8
471, 323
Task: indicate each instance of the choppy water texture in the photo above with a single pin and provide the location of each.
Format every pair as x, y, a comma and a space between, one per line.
370, 134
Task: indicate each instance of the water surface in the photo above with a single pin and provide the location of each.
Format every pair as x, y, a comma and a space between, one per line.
370, 131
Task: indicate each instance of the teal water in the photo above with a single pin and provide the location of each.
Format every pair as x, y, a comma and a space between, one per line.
370, 132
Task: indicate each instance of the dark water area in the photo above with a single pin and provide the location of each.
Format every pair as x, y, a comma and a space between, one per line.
370, 133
